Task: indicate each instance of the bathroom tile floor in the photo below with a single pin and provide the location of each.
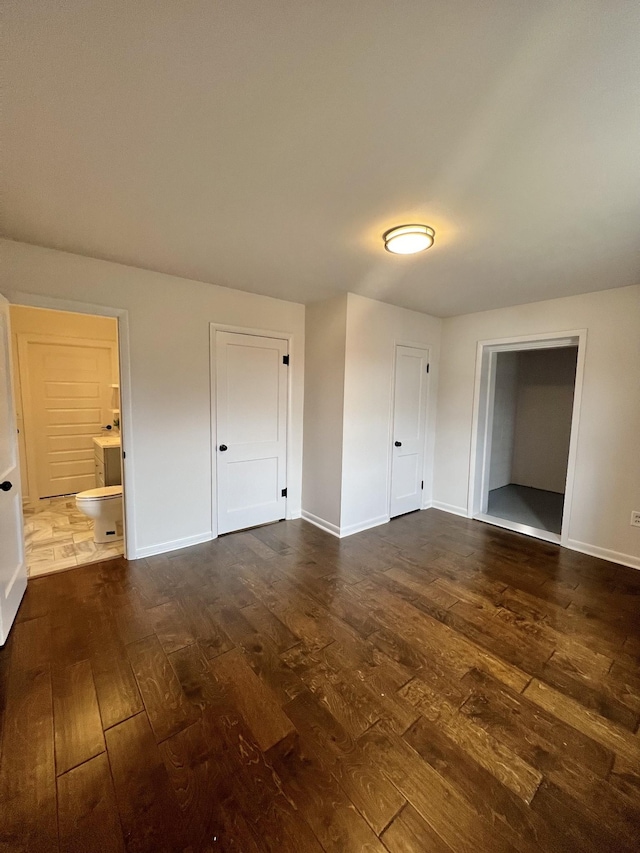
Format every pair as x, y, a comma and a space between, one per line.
58, 536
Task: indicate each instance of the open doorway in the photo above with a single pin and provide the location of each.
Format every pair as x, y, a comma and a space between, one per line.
526, 419
66, 377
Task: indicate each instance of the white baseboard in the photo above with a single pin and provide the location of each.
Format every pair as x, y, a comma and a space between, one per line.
363, 525
604, 553
296, 513
454, 510
341, 532
172, 545
327, 526
572, 544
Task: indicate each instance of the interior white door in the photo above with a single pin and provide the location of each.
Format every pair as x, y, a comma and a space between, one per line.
409, 429
13, 567
251, 430
67, 386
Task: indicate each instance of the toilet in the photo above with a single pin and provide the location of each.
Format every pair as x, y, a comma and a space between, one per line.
104, 506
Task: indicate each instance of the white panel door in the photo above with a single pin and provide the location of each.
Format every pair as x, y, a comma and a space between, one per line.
68, 394
251, 429
409, 429
13, 567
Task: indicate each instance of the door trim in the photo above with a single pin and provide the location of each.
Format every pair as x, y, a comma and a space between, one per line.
121, 315
427, 460
12, 592
262, 333
24, 339
483, 414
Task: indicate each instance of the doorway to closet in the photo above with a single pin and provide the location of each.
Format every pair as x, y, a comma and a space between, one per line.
526, 406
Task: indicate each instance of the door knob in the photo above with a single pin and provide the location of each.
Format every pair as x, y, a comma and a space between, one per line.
6, 486
223, 447
398, 443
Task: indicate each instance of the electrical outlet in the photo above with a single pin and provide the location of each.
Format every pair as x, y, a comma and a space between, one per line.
635, 519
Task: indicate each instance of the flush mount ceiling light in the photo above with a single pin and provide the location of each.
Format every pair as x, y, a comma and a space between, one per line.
408, 239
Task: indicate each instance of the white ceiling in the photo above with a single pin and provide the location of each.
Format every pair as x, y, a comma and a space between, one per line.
265, 145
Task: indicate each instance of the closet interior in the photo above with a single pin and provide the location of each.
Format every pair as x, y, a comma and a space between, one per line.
530, 434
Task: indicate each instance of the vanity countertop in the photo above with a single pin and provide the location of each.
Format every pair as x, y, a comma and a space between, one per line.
107, 441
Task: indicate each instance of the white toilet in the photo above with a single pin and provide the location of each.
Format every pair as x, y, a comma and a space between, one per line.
104, 506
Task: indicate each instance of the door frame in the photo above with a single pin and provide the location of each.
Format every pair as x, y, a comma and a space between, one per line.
121, 315
24, 339
11, 594
425, 501
483, 422
262, 333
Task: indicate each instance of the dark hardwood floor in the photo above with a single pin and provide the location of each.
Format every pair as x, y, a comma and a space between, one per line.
434, 684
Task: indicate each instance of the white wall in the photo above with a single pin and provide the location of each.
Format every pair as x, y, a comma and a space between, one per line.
348, 408
607, 478
544, 407
325, 337
36, 321
170, 430
169, 319
504, 419
373, 330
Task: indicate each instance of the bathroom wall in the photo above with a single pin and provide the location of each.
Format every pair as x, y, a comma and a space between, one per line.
168, 442
62, 324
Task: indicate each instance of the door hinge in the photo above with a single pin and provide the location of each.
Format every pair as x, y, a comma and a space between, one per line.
428, 367
284, 493
285, 359
124, 455
422, 485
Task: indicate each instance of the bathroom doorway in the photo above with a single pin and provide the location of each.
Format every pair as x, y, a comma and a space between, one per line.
526, 414
66, 382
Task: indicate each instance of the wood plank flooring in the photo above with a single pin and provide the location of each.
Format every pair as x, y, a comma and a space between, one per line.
434, 684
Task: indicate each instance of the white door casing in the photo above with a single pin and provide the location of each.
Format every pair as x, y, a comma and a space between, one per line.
409, 429
483, 401
123, 378
13, 568
251, 391
66, 384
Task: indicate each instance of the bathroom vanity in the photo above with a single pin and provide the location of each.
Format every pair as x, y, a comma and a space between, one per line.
107, 460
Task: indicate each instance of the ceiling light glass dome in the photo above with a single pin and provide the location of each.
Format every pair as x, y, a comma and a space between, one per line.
408, 239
